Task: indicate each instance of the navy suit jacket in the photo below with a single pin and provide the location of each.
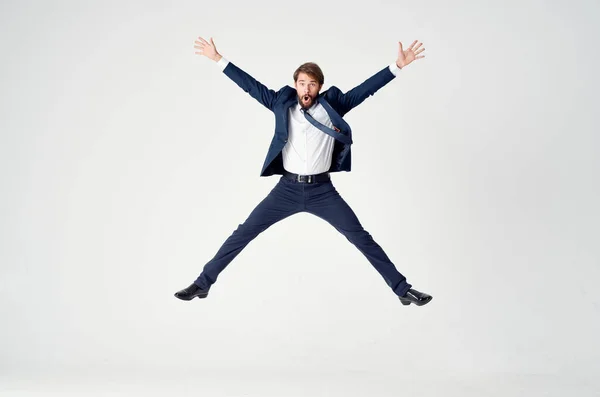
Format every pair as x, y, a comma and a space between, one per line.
280, 101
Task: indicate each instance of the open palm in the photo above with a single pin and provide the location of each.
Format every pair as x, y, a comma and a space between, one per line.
410, 54
207, 49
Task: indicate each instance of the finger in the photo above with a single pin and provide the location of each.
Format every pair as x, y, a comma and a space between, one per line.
212, 42
420, 51
413, 44
203, 41
205, 46
401, 50
418, 45
420, 56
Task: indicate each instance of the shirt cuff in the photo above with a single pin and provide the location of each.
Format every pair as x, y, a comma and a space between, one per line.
394, 69
223, 62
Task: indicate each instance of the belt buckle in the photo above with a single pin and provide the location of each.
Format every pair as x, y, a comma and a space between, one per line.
305, 178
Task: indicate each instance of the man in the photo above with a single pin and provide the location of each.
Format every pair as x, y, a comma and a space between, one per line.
311, 141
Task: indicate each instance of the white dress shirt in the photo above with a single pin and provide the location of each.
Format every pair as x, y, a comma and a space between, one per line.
308, 150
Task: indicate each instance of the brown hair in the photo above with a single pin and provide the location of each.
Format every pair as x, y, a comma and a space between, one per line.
311, 69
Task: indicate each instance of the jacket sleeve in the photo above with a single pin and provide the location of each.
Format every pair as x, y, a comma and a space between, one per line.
358, 94
267, 97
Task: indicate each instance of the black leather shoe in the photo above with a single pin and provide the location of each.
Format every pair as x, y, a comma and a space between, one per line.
416, 297
191, 292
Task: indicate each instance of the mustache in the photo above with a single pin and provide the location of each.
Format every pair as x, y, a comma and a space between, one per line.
301, 97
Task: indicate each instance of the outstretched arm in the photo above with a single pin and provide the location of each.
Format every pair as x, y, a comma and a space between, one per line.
248, 83
358, 94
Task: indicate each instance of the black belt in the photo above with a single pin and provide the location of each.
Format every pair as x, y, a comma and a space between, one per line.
322, 177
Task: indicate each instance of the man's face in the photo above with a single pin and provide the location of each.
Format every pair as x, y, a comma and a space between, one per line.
307, 89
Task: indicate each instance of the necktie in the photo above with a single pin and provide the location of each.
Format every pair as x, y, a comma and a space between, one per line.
329, 131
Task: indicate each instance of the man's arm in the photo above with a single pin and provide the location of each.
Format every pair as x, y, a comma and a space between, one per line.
358, 94
249, 84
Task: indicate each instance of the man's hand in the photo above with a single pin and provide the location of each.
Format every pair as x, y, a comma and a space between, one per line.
207, 49
407, 56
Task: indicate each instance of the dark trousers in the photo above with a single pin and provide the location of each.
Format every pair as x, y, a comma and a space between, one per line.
289, 197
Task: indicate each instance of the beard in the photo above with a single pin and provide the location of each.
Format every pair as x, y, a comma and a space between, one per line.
306, 101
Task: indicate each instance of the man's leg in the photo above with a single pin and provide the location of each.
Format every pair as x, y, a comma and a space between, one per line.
283, 200
325, 202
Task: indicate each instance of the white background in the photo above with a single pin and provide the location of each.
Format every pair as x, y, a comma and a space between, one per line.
126, 160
